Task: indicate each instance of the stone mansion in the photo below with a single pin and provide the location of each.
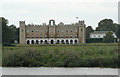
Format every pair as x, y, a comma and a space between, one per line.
52, 33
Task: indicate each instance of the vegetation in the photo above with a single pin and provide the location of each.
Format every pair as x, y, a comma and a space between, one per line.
9, 32
109, 37
105, 55
107, 25
89, 30
103, 25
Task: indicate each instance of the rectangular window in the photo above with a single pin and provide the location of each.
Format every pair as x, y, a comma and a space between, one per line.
45, 36
41, 36
36, 30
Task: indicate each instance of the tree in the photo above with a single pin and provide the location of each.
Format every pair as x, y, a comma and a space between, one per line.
106, 25
9, 33
14, 32
89, 29
109, 37
6, 32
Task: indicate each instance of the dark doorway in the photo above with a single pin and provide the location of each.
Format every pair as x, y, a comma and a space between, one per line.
58, 42
71, 41
37, 42
28, 42
52, 42
46, 42
75, 41
62, 42
32, 42
41, 41
67, 42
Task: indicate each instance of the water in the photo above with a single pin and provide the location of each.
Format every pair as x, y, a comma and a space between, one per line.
59, 71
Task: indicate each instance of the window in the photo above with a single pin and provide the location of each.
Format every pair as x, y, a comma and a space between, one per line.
40, 31
37, 36
58, 31
75, 36
32, 36
45, 31
28, 37
32, 30
66, 35
66, 30
62, 36
36, 30
41, 36
51, 36
45, 36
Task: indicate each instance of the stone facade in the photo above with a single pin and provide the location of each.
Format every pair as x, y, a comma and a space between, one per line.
52, 33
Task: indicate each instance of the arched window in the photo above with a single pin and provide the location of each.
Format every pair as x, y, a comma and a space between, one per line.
37, 42
75, 41
71, 41
41, 42
28, 42
62, 42
58, 42
46, 42
32, 42
52, 42
67, 42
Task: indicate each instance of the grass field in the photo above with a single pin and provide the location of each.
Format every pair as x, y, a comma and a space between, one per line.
79, 55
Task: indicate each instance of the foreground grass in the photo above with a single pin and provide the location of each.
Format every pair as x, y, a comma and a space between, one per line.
61, 56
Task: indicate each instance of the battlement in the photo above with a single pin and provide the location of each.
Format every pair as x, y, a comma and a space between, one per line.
82, 21
22, 21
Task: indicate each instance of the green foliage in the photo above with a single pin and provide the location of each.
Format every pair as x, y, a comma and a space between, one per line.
88, 31
109, 37
61, 56
94, 40
14, 33
9, 33
6, 32
106, 25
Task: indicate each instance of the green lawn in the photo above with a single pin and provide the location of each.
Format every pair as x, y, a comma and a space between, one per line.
79, 55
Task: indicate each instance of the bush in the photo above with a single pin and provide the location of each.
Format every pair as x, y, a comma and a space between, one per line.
61, 56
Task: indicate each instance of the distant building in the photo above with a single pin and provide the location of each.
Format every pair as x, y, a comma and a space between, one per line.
101, 34
52, 33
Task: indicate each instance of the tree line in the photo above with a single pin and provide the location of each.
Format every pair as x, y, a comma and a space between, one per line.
105, 25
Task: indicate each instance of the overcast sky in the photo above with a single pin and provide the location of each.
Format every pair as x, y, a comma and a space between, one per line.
41, 11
